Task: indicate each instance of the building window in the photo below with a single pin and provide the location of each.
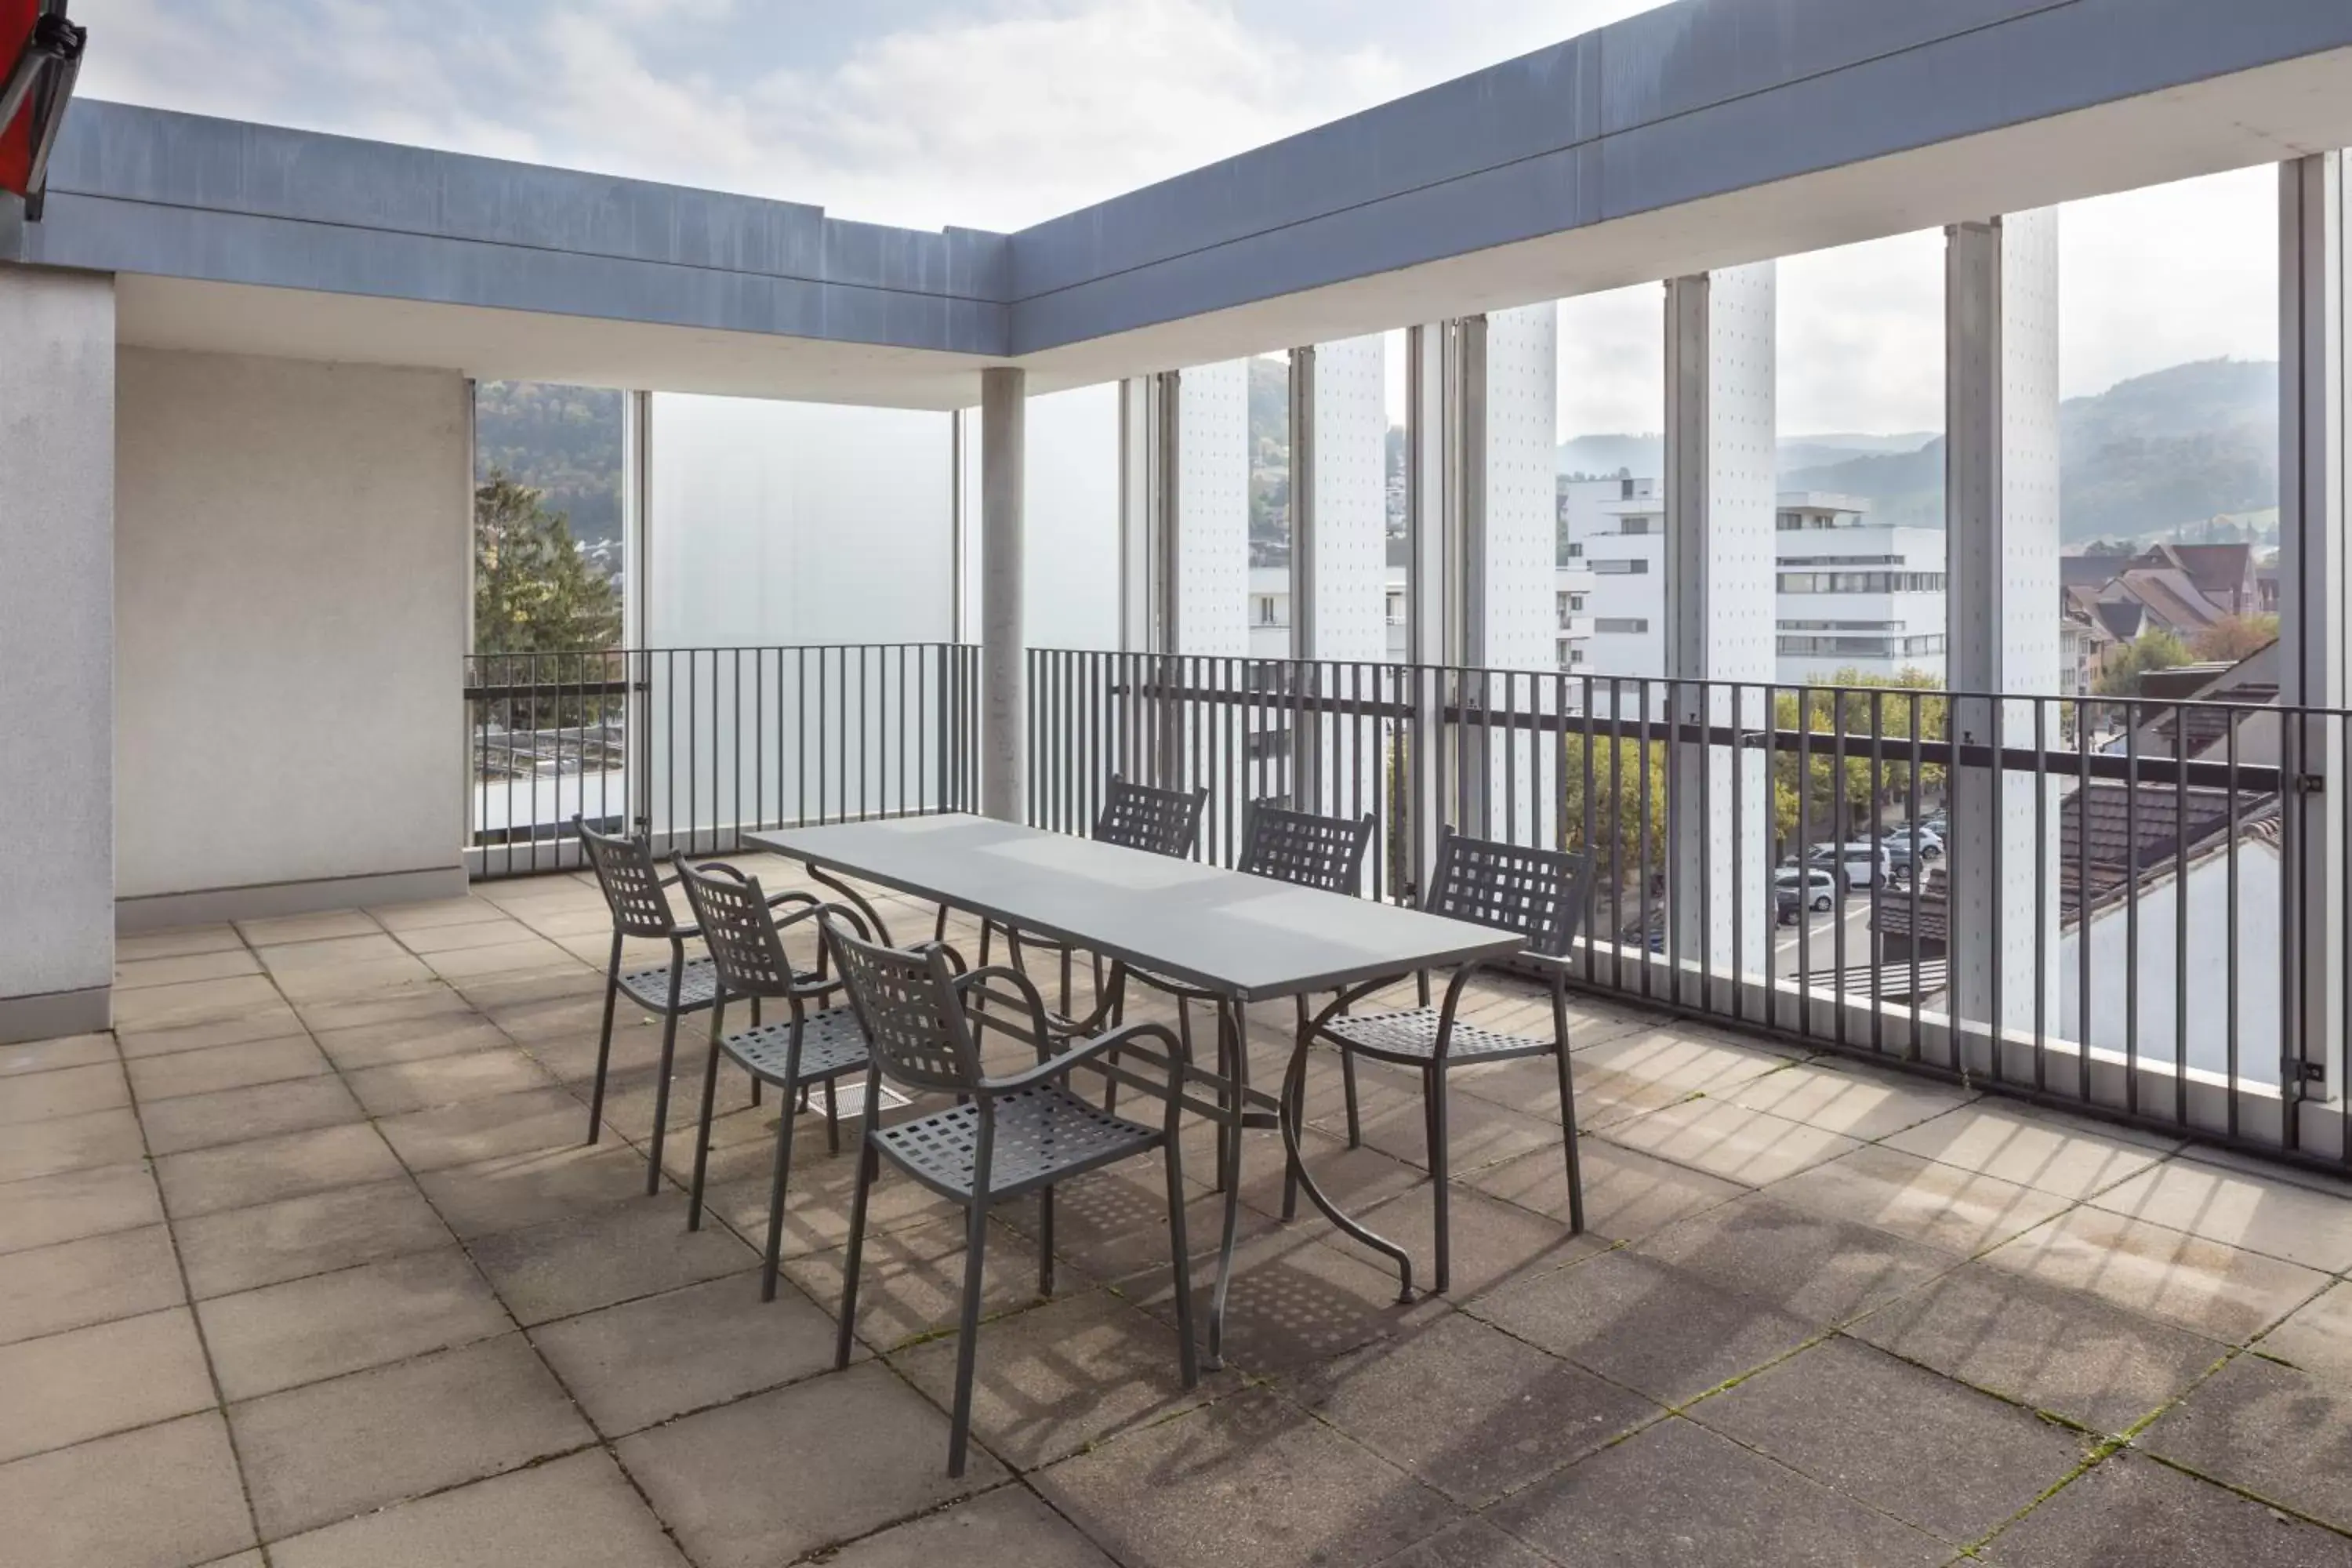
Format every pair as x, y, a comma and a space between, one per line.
1635, 527
1624, 625
1396, 609
1267, 610
1620, 568
1862, 583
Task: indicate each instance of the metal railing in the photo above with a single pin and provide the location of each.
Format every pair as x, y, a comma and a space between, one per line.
2131, 907
696, 746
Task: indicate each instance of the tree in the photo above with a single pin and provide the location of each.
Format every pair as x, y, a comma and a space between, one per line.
2159, 648
533, 591
2233, 638
1851, 713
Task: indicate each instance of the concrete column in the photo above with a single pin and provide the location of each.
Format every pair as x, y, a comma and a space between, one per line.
2001, 503
1347, 473
2315, 655
1431, 520
56, 643
1720, 494
1301, 435
1004, 717
1211, 509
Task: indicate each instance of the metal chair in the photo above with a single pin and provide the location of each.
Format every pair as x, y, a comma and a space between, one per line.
636, 891
747, 951
1296, 846
1138, 817
1537, 893
1006, 1136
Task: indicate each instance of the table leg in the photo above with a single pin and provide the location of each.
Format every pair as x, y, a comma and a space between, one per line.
1293, 1113
1229, 1175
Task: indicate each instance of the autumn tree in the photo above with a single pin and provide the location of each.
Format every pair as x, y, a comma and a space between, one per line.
2233, 638
2159, 648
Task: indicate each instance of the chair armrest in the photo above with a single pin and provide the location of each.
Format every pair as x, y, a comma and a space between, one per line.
1026, 993
1125, 1038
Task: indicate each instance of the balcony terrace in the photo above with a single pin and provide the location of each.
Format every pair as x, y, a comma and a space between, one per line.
311, 1248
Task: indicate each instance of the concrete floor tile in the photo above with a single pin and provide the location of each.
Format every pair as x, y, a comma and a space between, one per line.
2128, 1510
2270, 1430
1808, 1265
575, 1512
516, 1191
177, 941
659, 1356
45, 1289
1920, 1199
1646, 1324
445, 1034
109, 1377
611, 1253
243, 1249
65, 1093
1490, 1243
1722, 1139
397, 1086
49, 1056
42, 1210
157, 1007
1627, 1195
2260, 1213
218, 1068
278, 930
1008, 1525
70, 1143
329, 1450
71, 1509
1677, 1492
1650, 1069
1855, 1100
2223, 1293
1874, 1428
407, 1005
266, 1170
302, 1330
2317, 1335
136, 973
1063, 1376
860, 1448
910, 1280
2054, 1154
273, 1021
236, 1115
1248, 1479
479, 1130
427, 913
1470, 1543
1467, 1408
2044, 1346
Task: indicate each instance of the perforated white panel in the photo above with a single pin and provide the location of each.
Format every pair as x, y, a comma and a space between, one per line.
1522, 498
2027, 646
1351, 499
1742, 477
1070, 524
1212, 527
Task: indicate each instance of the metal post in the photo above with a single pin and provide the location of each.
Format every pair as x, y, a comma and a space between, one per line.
1302, 503
1431, 443
1004, 392
2313, 645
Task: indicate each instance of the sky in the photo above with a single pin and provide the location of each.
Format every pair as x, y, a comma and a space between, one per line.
997, 113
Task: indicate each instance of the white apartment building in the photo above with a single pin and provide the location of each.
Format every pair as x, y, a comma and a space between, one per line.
1851, 595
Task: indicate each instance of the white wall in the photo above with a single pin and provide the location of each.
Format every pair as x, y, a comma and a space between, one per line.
56, 550
2208, 954
292, 575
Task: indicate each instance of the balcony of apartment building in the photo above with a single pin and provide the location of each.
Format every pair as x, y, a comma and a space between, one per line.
1955, 1073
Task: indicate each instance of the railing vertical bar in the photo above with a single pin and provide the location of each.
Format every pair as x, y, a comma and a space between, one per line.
2179, 916
2131, 907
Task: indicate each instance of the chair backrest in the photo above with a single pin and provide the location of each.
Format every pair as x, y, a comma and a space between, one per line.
914, 1025
1143, 817
631, 880
747, 951
1538, 893
1299, 846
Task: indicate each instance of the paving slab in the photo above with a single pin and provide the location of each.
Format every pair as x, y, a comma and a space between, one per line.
110, 1377
44, 1289
2128, 1510
267, 1170
1009, 1525
98, 1199
610, 1254
575, 1512
2270, 1430
303, 1331
68, 1508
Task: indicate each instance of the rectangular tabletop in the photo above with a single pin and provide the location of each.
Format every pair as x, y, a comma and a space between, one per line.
1249, 937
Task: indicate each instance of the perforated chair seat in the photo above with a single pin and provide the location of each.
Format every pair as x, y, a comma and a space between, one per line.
831, 1044
1042, 1134
697, 986
1411, 1037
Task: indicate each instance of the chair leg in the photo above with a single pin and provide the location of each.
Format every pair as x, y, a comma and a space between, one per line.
755, 1077
661, 1104
868, 1164
1295, 1106
832, 1118
1045, 1244
702, 1126
1441, 1189
784, 1125
1347, 1083
604, 1057
1568, 1145
967, 1332
1180, 1257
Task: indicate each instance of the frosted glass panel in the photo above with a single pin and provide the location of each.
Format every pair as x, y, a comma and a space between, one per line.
1071, 564
797, 522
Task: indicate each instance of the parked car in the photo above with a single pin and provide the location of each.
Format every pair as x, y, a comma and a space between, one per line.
1794, 891
1931, 843
1859, 864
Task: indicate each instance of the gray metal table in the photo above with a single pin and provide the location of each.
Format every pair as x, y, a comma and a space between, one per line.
1247, 939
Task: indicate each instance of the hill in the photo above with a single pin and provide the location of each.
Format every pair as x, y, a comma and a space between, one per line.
563, 441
